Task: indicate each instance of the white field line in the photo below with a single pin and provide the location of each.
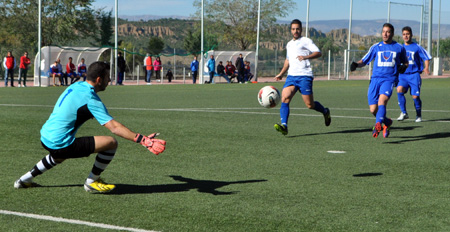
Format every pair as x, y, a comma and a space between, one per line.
71, 221
239, 111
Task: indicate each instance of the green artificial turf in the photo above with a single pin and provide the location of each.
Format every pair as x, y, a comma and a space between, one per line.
226, 168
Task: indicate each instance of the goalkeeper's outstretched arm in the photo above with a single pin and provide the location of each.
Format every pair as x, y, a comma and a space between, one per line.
156, 146
119, 129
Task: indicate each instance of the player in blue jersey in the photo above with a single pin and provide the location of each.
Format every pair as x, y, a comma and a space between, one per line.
419, 61
389, 60
77, 104
300, 76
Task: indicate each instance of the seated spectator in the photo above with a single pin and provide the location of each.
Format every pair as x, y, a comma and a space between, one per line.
169, 75
71, 72
230, 70
221, 71
247, 74
82, 69
56, 71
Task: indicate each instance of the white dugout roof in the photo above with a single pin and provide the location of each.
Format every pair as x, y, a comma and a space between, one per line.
51, 53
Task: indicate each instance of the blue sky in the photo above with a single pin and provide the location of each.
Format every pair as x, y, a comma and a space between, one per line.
334, 9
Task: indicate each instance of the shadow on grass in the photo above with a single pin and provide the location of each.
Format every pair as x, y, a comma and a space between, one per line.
368, 174
405, 139
352, 131
202, 186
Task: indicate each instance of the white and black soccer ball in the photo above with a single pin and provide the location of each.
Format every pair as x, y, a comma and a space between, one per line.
269, 97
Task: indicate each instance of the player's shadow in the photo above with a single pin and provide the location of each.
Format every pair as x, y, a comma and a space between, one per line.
368, 174
405, 139
353, 131
202, 186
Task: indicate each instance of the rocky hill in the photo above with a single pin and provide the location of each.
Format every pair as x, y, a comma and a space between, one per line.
364, 32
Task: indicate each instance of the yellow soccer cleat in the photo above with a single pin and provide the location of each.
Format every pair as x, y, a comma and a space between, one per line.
98, 186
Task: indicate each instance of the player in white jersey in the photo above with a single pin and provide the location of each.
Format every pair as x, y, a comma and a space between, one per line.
300, 76
419, 61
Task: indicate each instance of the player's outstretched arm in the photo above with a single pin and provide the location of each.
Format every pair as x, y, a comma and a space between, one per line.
154, 145
355, 65
283, 70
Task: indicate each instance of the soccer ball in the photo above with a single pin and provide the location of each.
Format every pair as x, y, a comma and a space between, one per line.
269, 97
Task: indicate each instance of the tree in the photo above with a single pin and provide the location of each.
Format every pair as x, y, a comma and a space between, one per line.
155, 45
105, 32
240, 17
63, 21
192, 42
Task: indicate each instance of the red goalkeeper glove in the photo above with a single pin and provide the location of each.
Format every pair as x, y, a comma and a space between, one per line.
156, 146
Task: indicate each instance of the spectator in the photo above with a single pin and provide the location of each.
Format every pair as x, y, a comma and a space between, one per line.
24, 62
157, 67
169, 75
248, 74
194, 69
221, 71
240, 68
211, 67
148, 68
71, 72
230, 69
56, 71
9, 64
82, 69
121, 64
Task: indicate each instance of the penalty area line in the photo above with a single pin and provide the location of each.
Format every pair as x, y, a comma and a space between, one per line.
72, 221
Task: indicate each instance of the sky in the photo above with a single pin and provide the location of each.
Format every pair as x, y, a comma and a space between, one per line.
334, 9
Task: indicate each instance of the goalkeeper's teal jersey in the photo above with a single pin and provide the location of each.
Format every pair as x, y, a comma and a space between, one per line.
76, 105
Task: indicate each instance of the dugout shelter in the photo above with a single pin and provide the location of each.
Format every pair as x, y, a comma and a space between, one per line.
51, 53
225, 56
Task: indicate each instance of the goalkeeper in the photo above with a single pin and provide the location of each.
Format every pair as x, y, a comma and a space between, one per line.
389, 60
77, 104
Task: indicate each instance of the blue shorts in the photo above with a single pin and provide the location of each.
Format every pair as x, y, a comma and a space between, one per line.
377, 87
411, 81
302, 83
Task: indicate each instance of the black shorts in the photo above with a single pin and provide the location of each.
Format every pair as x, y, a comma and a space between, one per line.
81, 147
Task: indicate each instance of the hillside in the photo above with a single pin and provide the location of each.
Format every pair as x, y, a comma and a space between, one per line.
173, 31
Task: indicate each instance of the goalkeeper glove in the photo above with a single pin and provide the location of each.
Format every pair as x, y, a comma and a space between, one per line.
156, 146
353, 66
402, 68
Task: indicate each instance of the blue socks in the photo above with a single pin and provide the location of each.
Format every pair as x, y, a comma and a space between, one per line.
418, 105
402, 102
381, 114
319, 107
284, 113
285, 110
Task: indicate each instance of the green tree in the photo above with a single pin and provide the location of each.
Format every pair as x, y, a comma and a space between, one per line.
240, 17
105, 32
192, 42
63, 21
444, 47
326, 44
155, 45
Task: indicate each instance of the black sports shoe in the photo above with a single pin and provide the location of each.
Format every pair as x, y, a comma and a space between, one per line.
327, 117
281, 128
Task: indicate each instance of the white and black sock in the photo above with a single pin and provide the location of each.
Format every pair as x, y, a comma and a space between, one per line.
101, 162
43, 165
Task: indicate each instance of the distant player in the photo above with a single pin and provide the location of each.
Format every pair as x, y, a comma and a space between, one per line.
300, 76
388, 57
419, 61
77, 104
